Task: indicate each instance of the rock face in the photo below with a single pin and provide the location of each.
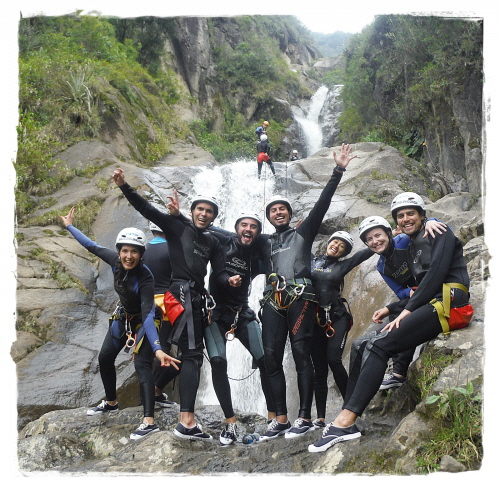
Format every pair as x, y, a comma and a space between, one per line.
62, 322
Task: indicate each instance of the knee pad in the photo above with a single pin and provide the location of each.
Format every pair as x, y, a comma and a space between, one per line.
371, 346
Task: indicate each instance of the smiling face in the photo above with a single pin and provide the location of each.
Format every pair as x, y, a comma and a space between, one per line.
130, 256
410, 221
279, 216
377, 240
202, 215
247, 231
336, 248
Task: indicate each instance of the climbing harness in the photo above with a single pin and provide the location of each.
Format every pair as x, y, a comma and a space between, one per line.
282, 292
452, 318
328, 327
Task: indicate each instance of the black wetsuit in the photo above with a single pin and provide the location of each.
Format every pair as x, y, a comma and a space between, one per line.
432, 261
157, 258
286, 313
135, 289
191, 249
328, 277
232, 303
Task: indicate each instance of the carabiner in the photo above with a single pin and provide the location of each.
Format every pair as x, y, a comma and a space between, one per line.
329, 331
298, 292
230, 334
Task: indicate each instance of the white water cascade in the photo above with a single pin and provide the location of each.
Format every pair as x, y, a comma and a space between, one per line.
237, 189
309, 124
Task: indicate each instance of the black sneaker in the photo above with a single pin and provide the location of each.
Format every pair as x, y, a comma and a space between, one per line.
228, 434
163, 401
300, 427
275, 429
143, 430
194, 433
104, 406
332, 435
319, 424
391, 381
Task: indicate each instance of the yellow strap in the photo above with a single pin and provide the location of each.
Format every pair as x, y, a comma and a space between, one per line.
443, 308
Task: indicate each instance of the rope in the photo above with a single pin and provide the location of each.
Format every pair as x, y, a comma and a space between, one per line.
233, 379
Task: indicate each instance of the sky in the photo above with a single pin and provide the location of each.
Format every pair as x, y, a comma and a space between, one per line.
317, 16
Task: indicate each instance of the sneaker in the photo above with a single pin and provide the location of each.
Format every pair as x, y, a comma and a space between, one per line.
104, 406
391, 381
332, 435
275, 429
300, 427
163, 401
319, 424
143, 430
228, 434
194, 433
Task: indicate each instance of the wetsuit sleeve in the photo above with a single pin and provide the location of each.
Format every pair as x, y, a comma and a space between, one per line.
442, 251
169, 224
309, 228
401, 291
105, 254
358, 258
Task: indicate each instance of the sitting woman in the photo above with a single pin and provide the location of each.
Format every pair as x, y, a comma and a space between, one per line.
132, 324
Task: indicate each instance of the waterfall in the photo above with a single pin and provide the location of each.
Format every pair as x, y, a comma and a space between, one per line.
237, 189
310, 128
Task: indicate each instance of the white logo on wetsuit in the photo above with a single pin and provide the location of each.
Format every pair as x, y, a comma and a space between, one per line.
238, 263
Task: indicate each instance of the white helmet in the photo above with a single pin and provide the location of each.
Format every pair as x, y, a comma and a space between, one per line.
345, 237
154, 227
251, 216
295, 152
263, 138
407, 200
276, 200
372, 222
208, 199
131, 236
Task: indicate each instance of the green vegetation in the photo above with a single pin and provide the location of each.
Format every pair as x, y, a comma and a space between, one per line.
459, 411
400, 74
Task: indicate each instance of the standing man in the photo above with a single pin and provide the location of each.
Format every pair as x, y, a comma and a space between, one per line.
232, 316
289, 306
191, 247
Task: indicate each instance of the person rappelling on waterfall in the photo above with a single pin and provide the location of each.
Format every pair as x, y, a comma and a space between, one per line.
187, 303
263, 155
232, 316
262, 129
289, 301
134, 323
294, 155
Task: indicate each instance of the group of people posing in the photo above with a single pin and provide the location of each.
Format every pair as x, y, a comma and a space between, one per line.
302, 302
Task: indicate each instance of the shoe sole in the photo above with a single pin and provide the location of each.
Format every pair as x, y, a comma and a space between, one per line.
387, 387
164, 405
137, 436
293, 435
90, 413
190, 437
324, 447
269, 437
226, 441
